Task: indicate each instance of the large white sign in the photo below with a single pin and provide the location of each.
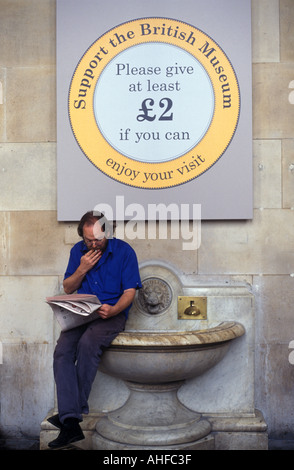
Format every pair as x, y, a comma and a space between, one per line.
155, 109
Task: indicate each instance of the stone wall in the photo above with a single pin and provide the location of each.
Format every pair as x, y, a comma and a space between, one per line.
34, 246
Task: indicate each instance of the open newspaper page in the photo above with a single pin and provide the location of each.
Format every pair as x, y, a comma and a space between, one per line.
73, 310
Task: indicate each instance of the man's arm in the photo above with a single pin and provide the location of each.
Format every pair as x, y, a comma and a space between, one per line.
73, 282
107, 311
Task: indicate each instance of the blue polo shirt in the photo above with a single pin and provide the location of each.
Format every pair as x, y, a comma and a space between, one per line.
116, 271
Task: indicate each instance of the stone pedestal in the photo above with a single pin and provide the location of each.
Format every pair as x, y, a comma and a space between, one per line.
152, 417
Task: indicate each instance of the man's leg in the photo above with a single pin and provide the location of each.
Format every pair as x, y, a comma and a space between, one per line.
65, 374
76, 360
69, 405
98, 337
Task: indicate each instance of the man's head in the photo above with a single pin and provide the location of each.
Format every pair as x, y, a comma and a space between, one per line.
94, 228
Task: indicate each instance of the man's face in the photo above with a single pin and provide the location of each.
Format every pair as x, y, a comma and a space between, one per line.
94, 237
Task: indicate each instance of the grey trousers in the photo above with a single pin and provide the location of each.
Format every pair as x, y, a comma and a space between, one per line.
76, 360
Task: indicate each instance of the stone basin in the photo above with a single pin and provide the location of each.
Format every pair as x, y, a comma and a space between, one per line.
154, 365
165, 356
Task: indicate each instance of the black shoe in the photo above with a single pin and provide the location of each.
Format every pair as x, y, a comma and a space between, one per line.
55, 421
70, 432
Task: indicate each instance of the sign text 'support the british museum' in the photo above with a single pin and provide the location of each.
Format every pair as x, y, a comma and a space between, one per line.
154, 106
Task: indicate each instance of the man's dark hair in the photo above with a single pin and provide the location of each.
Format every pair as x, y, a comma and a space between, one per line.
90, 218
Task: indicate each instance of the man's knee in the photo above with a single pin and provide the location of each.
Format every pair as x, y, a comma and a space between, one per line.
88, 349
63, 354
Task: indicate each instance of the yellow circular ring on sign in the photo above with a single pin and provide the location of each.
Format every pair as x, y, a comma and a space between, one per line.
116, 94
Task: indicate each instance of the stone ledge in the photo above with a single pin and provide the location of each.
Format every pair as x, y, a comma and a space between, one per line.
207, 443
228, 433
241, 441
221, 423
239, 432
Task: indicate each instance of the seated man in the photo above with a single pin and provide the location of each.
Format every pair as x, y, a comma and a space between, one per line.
108, 268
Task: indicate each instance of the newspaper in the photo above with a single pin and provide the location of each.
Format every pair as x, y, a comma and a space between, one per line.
74, 309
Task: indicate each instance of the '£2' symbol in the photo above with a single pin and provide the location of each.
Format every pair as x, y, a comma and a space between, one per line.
145, 116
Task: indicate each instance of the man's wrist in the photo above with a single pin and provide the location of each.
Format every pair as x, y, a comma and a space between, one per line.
81, 272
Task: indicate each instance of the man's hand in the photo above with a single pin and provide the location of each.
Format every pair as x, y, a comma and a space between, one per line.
89, 260
107, 311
